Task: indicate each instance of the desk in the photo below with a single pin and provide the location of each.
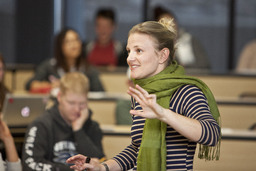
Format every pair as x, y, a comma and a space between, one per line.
227, 133
225, 85
17, 75
222, 85
236, 113
237, 148
124, 130
229, 85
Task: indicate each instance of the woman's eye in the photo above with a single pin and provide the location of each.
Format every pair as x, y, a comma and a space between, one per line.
139, 50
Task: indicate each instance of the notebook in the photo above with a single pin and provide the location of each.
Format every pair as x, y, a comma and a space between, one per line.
21, 109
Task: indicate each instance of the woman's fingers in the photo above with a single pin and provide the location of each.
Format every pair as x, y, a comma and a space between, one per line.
76, 158
142, 96
142, 91
139, 94
80, 162
137, 113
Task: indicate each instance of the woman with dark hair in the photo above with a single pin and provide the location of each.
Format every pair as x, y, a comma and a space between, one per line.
68, 57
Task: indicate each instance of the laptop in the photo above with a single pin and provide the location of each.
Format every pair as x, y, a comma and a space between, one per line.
19, 110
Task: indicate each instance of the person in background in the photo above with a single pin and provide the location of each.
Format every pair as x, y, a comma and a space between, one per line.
104, 50
12, 162
247, 59
190, 53
63, 130
172, 112
3, 89
68, 57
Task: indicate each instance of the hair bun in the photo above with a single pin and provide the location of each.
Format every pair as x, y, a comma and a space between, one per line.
169, 24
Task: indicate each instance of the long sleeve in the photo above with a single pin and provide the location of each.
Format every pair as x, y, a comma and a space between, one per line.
9, 166
37, 149
13, 166
2, 167
191, 102
127, 158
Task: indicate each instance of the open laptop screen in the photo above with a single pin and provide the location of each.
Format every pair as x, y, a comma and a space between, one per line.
21, 109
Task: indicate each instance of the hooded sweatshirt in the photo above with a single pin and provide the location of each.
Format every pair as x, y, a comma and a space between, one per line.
49, 141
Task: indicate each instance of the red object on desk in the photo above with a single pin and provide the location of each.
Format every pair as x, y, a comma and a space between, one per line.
45, 90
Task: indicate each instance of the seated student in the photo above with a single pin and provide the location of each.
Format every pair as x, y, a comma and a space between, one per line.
247, 58
190, 53
13, 162
63, 130
68, 57
104, 50
3, 89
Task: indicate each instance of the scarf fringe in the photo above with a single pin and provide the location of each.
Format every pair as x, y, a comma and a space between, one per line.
210, 152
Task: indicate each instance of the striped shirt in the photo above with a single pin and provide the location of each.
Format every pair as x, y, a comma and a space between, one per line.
188, 101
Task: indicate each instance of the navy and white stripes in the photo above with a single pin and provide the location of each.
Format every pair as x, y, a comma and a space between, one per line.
188, 101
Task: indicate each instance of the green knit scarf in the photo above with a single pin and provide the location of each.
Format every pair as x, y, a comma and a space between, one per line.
152, 153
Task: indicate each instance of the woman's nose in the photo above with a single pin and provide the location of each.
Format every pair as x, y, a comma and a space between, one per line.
131, 57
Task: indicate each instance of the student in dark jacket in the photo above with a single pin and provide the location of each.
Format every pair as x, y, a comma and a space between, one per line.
63, 130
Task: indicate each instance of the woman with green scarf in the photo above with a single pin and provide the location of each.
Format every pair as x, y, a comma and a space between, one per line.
171, 112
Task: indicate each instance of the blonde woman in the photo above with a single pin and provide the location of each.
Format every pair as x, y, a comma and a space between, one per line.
171, 112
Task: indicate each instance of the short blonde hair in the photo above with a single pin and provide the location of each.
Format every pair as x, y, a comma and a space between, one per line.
75, 82
163, 32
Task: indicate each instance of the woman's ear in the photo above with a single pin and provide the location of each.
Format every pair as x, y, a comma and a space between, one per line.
164, 55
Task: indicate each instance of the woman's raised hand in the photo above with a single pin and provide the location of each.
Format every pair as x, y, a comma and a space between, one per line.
150, 108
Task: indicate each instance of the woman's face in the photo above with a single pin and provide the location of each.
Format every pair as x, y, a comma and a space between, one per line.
72, 45
143, 58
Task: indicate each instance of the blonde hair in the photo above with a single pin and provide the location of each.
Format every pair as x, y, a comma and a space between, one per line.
75, 82
163, 31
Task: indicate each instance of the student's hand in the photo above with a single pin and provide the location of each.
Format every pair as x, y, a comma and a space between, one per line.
5, 133
55, 82
79, 122
150, 108
79, 162
6, 137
